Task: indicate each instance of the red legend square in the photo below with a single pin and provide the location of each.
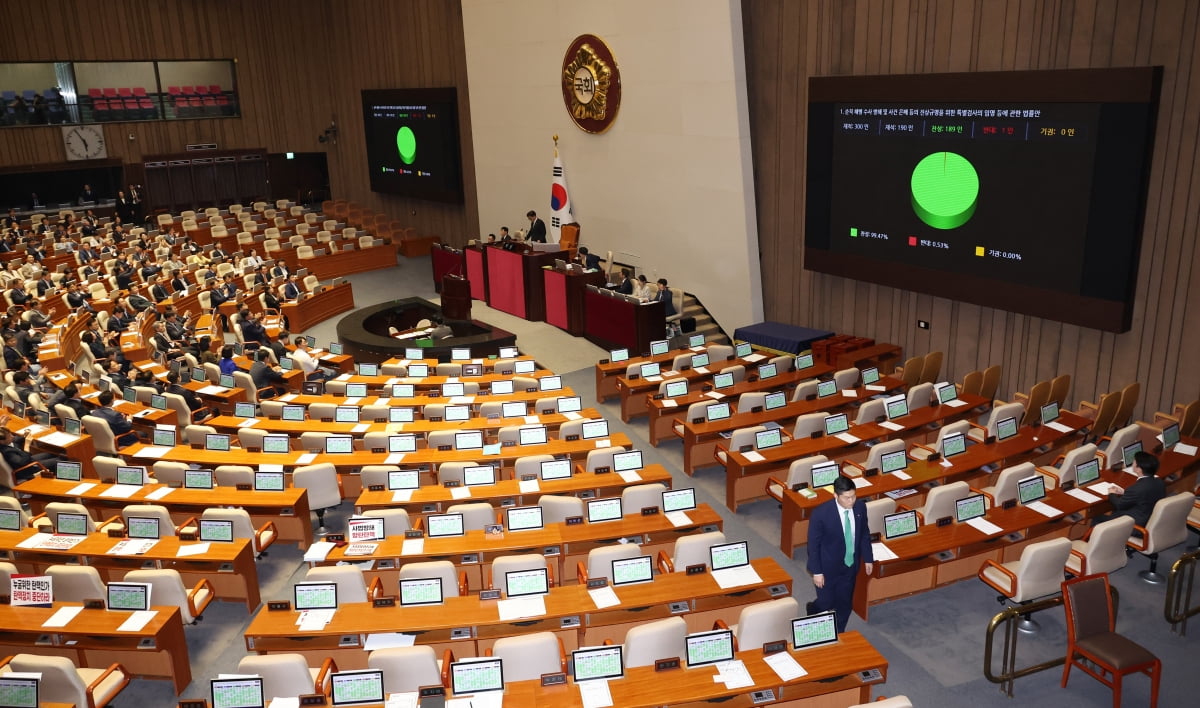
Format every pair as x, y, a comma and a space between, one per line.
912, 240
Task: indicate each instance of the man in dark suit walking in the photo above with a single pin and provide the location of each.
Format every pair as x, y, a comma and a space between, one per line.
1139, 499
537, 228
838, 541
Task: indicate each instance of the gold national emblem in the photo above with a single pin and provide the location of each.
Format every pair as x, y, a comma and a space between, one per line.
591, 84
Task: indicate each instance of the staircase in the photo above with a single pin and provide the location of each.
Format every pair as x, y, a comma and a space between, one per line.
705, 324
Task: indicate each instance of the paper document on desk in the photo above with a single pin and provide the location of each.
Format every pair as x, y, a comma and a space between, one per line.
604, 597
159, 493
603, 442
462, 400
395, 458
460, 492
753, 456
736, 577
875, 387
343, 377
80, 489
58, 439
388, 640
572, 416
120, 491
955, 403
287, 397
401, 496
678, 518
137, 621
784, 664
630, 476
849, 393
132, 547
306, 458
1184, 449
248, 423
891, 426
668, 373
314, 620
412, 547
532, 420
754, 357
669, 403
529, 486
655, 379
193, 549
847, 438
984, 526
860, 482
900, 474
58, 542
715, 395
1106, 488
521, 608
487, 699
63, 616
285, 702
595, 694
318, 551
701, 370
493, 449
152, 451
361, 427
1083, 496
361, 549
1055, 425
211, 390
733, 674
1044, 509
882, 553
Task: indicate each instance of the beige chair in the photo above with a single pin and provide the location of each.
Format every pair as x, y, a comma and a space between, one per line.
61, 682
971, 384
233, 475
1038, 396
991, 381
870, 411
846, 378
874, 457
599, 561
939, 502
1005, 488
1062, 472
323, 485
1166, 528
689, 550
395, 521
799, 472
406, 669
476, 515
920, 396
876, 510
636, 497
497, 574
923, 452
76, 583
454, 581
808, 424
931, 367
1114, 445
737, 370
648, 642
288, 675
979, 433
168, 590
1102, 550
526, 657
1038, 573
261, 538
556, 509
102, 435
49, 517
764, 622
740, 439
170, 473
910, 373
351, 583
804, 389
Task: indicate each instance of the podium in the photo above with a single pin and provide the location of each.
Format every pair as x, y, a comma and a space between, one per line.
456, 297
564, 297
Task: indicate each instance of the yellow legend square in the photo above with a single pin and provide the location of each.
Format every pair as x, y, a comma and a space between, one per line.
979, 250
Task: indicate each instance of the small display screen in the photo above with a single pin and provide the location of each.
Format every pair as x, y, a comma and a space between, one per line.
804, 361
355, 688
604, 662
456, 414
1129, 452
870, 375
1006, 428
420, 591
893, 461
1170, 436
767, 371
418, 371
401, 415
651, 369
550, 383
68, 471
696, 340
237, 693
131, 475
276, 443
717, 411
336, 348
659, 346
699, 360
826, 389
594, 429
968, 508
678, 499
414, 354
570, 404
509, 353
243, 410
345, 414
901, 524
522, 518
1031, 489
141, 527
449, 390
72, 524
524, 366
775, 399
618, 355
709, 647
197, 479
676, 388
946, 393
315, 596
502, 387
402, 443
527, 582
476, 676
729, 555
19, 692
814, 631
824, 474
1050, 412
460, 354
216, 530
439, 525
627, 461
766, 439
954, 444
268, 481
724, 380
159, 402
129, 596
356, 390
293, 413
479, 475
10, 520
226, 380
555, 469
1087, 472
404, 479
632, 570
402, 390
896, 407
743, 350
468, 440
835, 424
533, 435
513, 409
603, 509
216, 442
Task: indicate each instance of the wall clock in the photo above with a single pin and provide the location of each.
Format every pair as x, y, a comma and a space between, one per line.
84, 142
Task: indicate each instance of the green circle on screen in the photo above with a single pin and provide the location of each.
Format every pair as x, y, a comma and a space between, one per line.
945, 190
406, 145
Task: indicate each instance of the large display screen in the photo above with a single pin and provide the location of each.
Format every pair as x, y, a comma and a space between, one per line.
412, 142
1023, 191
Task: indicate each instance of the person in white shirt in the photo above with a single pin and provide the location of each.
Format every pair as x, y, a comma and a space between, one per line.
641, 288
305, 362
251, 261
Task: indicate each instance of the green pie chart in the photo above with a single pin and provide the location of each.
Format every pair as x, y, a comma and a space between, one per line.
945, 190
406, 145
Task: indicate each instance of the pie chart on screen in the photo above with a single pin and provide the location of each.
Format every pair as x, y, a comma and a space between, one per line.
945, 190
406, 145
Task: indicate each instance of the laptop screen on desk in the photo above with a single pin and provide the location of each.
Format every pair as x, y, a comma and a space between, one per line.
293, 413
618, 355
604, 662
709, 647
68, 471
268, 481
729, 555
402, 390
627, 461
439, 525
402, 443
339, 444
1129, 451
401, 415
345, 414
900, 524
1006, 428
355, 688
1087, 472
555, 469
628, 571
723, 380
814, 630
533, 435
527, 582
968, 508
893, 461
716, 411
404, 479
602, 509
835, 424
896, 407
824, 474
674, 389
594, 429
142, 527
1031, 489
659, 346
420, 591
19, 692
870, 375
479, 475
766, 439
678, 499
523, 518
315, 596
216, 530
476, 676
954, 444
134, 597
237, 693
468, 440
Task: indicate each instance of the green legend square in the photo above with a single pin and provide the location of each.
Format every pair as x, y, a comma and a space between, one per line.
853, 232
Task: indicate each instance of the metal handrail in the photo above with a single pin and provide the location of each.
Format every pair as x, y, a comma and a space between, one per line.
1008, 618
1177, 607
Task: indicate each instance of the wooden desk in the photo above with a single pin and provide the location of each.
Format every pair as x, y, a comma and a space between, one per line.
275, 632
1026, 444
744, 477
664, 415
228, 566
420, 402
515, 281
882, 356
81, 447
419, 426
475, 551
635, 391
607, 372
92, 640
429, 383
320, 307
564, 297
934, 556
614, 323
288, 509
700, 439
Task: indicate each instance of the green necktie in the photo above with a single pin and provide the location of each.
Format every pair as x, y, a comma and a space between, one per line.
849, 559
